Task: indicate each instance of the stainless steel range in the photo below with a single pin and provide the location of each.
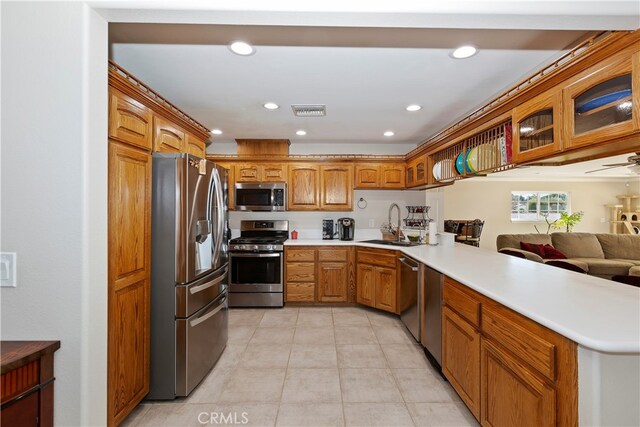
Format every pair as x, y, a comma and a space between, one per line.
257, 264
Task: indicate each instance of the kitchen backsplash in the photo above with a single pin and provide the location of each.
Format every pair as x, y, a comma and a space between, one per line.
368, 220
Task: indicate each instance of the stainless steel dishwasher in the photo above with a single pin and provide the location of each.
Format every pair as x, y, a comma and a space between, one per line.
410, 294
431, 315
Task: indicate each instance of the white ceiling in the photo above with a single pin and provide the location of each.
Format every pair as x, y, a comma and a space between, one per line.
366, 63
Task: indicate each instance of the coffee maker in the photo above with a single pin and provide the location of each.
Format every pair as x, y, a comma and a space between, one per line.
346, 228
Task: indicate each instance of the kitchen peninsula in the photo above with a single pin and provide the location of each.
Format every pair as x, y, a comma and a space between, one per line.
601, 319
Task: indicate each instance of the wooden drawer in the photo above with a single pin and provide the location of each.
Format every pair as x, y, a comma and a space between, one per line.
380, 258
301, 272
300, 292
333, 254
518, 335
307, 254
463, 303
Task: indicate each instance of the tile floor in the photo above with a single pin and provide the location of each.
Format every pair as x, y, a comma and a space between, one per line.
315, 366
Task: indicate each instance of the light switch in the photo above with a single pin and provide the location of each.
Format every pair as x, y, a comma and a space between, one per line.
8, 269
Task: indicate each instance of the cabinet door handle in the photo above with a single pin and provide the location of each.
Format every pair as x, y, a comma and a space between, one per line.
404, 261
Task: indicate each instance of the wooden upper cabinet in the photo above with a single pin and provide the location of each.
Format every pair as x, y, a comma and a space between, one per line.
167, 136
247, 172
261, 172
272, 172
195, 146
367, 175
537, 130
392, 175
379, 175
336, 189
604, 102
129, 242
129, 120
511, 393
304, 187
416, 172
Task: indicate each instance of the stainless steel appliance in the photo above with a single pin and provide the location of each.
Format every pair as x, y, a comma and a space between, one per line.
430, 314
346, 228
257, 266
411, 291
262, 196
327, 229
189, 268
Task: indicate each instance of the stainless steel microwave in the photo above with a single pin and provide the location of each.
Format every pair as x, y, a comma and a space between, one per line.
263, 196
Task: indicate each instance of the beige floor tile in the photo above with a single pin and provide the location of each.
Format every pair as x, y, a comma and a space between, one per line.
405, 356
245, 414
376, 414
265, 355
310, 414
253, 385
245, 316
273, 335
316, 319
165, 414
210, 389
441, 414
349, 334
379, 318
311, 385
368, 385
421, 385
313, 356
240, 334
279, 318
353, 318
314, 335
137, 414
231, 355
361, 356
349, 309
393, 335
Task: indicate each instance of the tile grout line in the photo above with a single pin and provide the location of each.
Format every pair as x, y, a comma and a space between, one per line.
286, 371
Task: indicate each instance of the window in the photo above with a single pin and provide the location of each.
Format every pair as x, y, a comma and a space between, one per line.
535, 205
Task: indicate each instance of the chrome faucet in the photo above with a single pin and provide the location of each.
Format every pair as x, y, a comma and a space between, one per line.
395, 205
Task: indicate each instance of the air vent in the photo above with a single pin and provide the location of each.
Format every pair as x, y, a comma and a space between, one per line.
309, 110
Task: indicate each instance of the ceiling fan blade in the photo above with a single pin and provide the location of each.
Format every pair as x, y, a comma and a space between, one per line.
604, 169
620, 164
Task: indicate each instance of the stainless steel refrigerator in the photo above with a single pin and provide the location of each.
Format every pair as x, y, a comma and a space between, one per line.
189, 268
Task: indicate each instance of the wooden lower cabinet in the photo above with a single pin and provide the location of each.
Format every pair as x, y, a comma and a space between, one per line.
319, 274
461, 358
513, 394
508, 369
129, 242
377, 279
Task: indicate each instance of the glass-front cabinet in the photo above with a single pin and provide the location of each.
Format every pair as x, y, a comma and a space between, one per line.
537, 124
415, 173
604, 104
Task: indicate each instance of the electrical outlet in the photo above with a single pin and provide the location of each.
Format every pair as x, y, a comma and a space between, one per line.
8, 269
371, 223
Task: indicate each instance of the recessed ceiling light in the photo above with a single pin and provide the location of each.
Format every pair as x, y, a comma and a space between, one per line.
242, 48
301, 133
464, 52
271, 106
389, 133
216, 131
413, 107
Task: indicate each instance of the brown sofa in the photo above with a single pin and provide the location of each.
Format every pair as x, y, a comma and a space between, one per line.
602, 255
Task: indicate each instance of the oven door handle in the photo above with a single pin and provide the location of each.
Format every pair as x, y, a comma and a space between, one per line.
205, 317
255, 255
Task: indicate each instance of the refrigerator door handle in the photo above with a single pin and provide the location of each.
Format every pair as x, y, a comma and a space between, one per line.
209, 284
219, 214
205, 317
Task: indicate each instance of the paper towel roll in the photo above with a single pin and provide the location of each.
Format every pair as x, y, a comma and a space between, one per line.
432, 234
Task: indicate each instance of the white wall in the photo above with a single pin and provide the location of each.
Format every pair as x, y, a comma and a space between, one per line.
309, 224
54, 193
311, 147
491, 202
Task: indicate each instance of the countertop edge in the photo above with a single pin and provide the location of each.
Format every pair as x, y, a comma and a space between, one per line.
23, 352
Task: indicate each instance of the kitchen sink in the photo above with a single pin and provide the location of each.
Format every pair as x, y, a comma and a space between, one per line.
390, 242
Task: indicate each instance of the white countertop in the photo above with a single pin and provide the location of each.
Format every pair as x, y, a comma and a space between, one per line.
596, 313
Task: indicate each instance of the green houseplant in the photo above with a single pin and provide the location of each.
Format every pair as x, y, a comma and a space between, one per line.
568, 221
